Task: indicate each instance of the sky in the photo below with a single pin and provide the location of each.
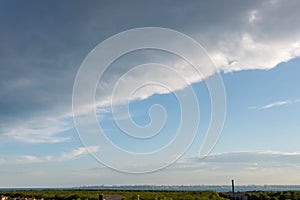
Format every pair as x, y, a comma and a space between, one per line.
153, 107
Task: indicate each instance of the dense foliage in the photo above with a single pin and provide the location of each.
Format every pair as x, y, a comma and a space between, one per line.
292, 195
149, 195
271, 195
126, 195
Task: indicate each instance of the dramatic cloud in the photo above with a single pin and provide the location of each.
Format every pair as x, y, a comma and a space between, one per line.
42, 48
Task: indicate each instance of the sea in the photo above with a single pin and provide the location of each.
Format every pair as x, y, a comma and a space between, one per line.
217, 188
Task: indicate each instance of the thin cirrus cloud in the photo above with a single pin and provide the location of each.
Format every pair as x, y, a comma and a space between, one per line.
274, 104
239, 37
65, 156
43, 130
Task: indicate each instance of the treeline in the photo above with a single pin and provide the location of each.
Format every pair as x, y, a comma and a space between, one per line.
144, 195
271, 195
284, 195
126, 195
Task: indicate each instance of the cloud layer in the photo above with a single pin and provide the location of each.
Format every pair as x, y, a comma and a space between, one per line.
245, 167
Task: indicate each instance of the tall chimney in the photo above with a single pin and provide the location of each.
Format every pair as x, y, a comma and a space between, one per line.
101, 197
232, 185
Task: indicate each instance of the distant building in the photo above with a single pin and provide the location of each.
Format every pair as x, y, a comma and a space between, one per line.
4, 197
237, 196
110, 197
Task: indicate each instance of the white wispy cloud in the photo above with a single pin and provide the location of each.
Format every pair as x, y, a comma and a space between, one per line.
39, 130
274, 104
65, 156
78, 152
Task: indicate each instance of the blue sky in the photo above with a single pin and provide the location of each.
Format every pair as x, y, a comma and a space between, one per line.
255, 46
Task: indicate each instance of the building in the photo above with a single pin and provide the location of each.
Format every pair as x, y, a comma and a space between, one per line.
4, 197
237, 196
110, 197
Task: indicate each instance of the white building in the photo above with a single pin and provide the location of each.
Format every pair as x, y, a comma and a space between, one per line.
4, 198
